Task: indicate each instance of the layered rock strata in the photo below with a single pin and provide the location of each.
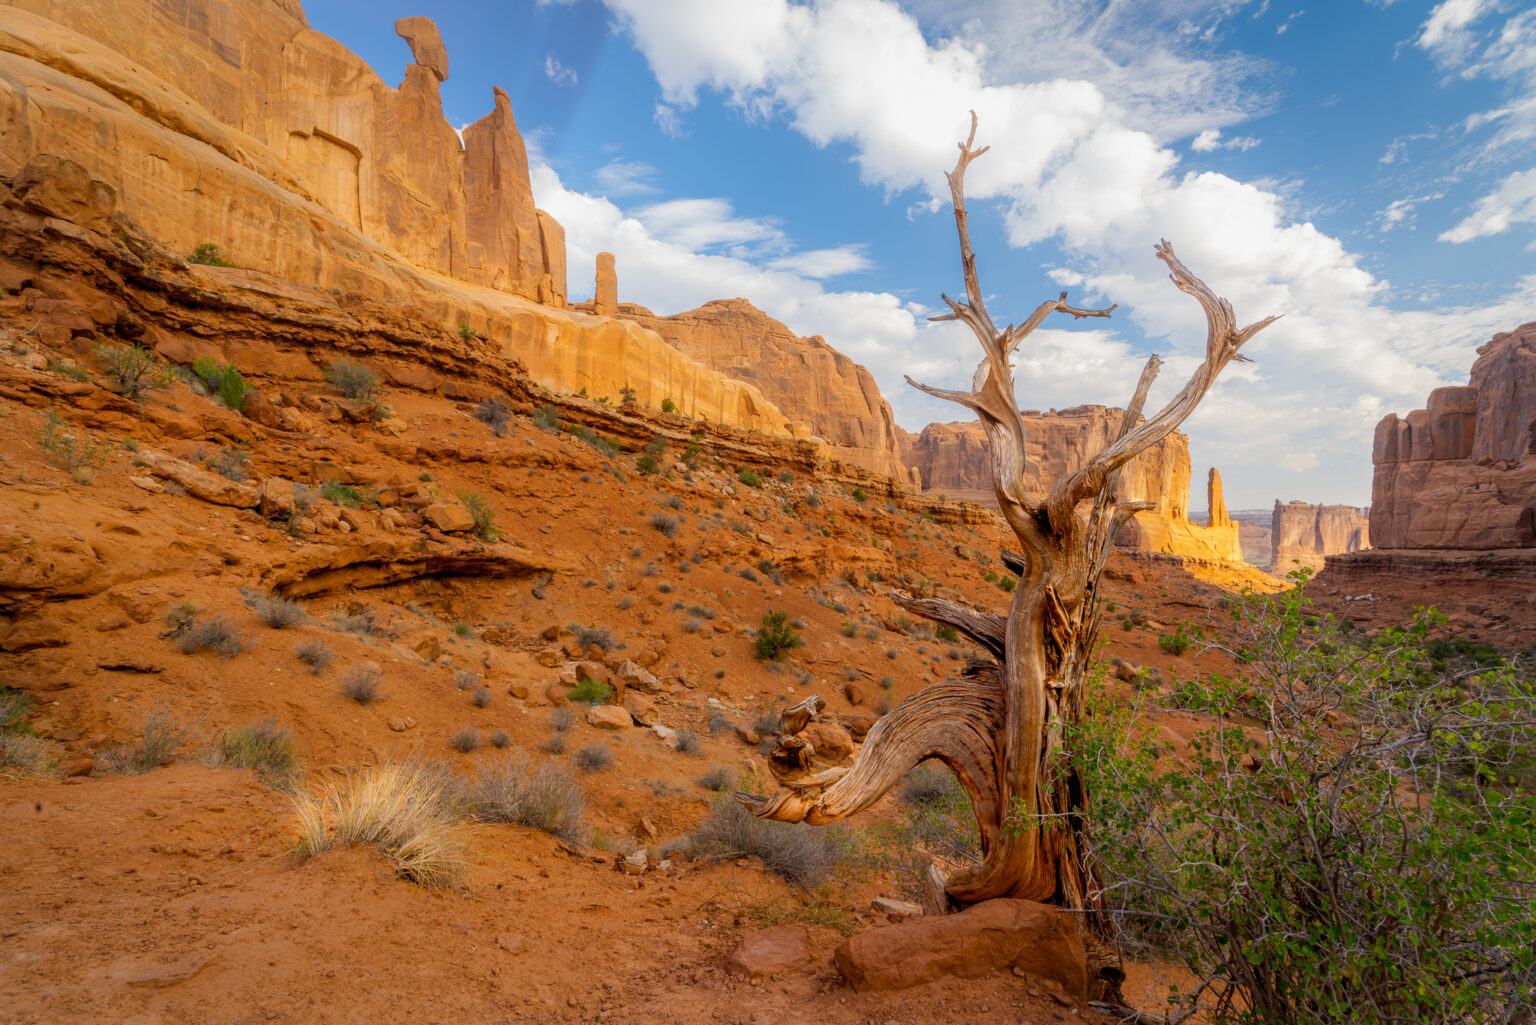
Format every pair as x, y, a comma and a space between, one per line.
805, 377
955, 459
231, 123
1303, 534
1461, 473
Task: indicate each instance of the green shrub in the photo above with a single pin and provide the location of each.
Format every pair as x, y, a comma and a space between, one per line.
133, 369
776, 636
749, 477
947, 634
717, 779
1176, 643
484, 516
860, 495
547, 418
74, 451
341, 494
590, 692
15, 708
465, 331
1367, 861
208, 255
222, 380
668, 406
646, 466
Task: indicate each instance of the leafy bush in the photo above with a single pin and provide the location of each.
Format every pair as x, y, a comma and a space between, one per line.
668, 406
1176, 643
264, 746
465, 331
133, 369
494, 414
362, 685
315, 654
1369, 861
646, 466
594, 758
860, 495
222, 380
590, 692
484, 516
214, 634
341, 494
805, 856
776, 636
408, 810
749, 477
947, 634
209, 255
352, 379
546, 797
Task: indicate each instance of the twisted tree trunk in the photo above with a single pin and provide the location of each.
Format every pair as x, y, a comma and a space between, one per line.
1000, 727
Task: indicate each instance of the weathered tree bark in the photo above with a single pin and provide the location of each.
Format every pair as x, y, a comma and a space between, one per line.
1002, 727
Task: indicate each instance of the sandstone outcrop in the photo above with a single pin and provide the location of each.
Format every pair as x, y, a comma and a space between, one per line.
1461, 473
231, 123
605, 295
955, 459
805, 377
1304, 534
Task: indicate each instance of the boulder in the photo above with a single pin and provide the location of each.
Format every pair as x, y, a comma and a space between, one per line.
992, 936
770, 952
210, 487
638, 678
277, 497
609, 717
450, 517
640, 708
59, 187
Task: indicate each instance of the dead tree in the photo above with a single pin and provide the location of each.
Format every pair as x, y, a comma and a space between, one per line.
1001, 726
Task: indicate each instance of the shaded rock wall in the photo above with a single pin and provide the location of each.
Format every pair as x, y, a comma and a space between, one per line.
1304, 534
805, 377
1461, 473
956, 458
231, 122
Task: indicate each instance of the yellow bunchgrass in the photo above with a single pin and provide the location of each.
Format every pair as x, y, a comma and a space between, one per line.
410, 811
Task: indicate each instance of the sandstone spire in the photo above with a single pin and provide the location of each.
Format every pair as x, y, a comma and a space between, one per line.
1216, 502
500, 218
605, 300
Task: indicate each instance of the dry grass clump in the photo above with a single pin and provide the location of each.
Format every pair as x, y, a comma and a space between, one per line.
805, 856
407, 810
162, 736
25, 755
264, 746
594, 758
278, 613
362, 685
546, 797
316, 655
216, 634
466, 740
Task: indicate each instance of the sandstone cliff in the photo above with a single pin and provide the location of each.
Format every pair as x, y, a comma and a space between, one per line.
955, 459
1461, 473
805, 377
1303, 534
232, 123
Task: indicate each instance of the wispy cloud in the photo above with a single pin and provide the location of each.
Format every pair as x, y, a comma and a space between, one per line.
558, 73
1210, 140
625, 178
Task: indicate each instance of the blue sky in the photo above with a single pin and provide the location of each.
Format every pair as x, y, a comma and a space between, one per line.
1367, 169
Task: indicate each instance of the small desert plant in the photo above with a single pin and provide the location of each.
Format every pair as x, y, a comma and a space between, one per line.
718, 779
587, 636
264, 746
75, 451
352, 379
341, 494
594, 758
555, 744
561, 719
15, 707
776, 636
947, 634
860, 495
362, 685
231, 463
214, 634
278, 613
481, 698
465, 740
646, 466
209, 255
500, 739
719, 721
590, 692
1176, 643
494, 414
688, 743
482, 513
408, 811
25, 755
462, 629
749, 477
133, 369
222, 380
180, 616
464, 679
314, 654
162, 736
668, 406
666, 524
805, 856
546, 797
769, 570
547, 418
465, 331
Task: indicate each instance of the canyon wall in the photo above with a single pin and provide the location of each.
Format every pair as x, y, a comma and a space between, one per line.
1461, 473
1304, 534
954, 458
805, 377
231, 123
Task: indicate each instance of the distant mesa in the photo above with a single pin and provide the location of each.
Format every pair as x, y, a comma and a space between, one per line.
1304, 535
1461, 473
